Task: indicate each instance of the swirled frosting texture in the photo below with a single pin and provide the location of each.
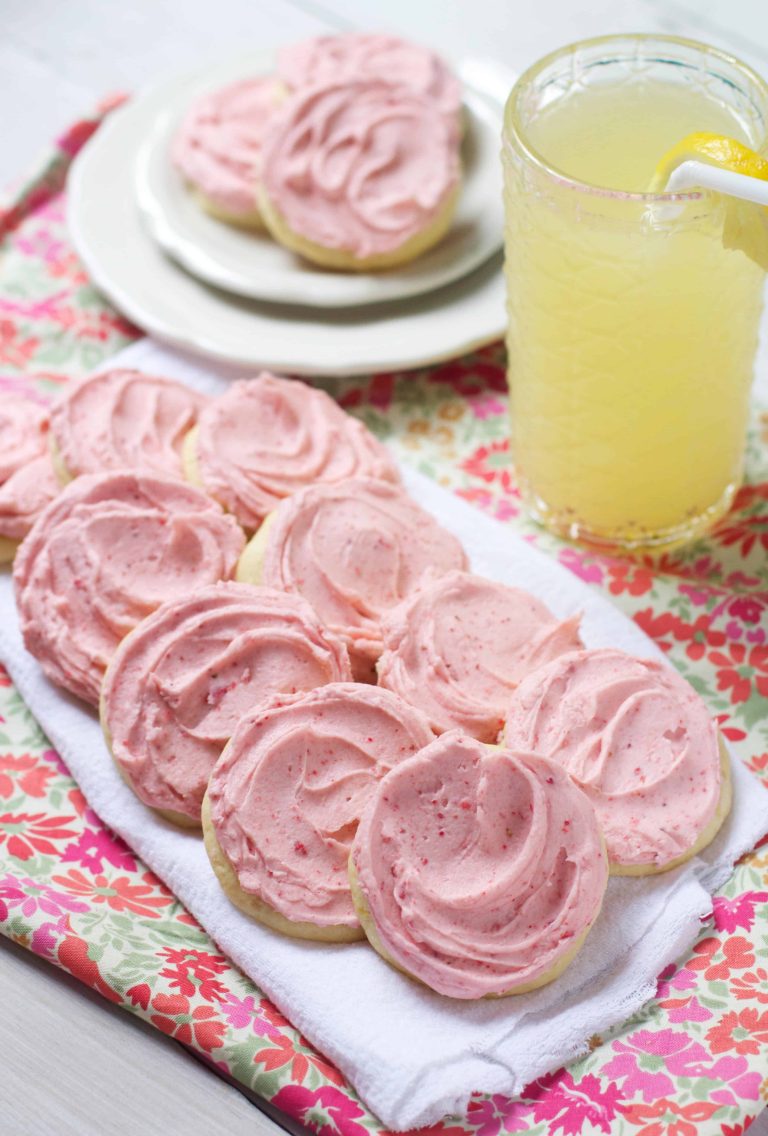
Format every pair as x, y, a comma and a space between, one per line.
108, 551
23, 433
355, 550
480, 867
25, 494
359, 165
637, 739
327, 59
180, 682
460, 645
124, 420
287, 793
267, 437
218, 146
27, 479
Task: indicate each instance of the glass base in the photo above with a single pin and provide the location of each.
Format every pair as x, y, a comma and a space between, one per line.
633, 541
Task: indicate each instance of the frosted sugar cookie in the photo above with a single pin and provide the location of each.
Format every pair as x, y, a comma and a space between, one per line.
217, 148
354, 550
640, 743
327, 59
109, 550
359, 175
179, 683
120, 420
459, 646
285, 797
478, 870
23, 496
267, 437
27, 481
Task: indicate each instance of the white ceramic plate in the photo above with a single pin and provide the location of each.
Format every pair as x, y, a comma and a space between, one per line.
153, 291
251, 264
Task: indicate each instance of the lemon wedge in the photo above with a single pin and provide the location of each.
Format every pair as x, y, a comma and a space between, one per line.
745, 225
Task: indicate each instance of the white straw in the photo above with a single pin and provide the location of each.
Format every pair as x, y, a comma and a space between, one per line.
700, 175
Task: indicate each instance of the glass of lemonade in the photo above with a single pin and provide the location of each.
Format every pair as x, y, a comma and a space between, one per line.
633, 317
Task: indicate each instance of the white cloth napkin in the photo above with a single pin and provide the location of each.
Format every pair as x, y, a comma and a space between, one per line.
412, 1055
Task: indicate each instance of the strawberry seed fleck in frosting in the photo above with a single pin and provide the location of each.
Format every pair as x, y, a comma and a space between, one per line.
355, 550
459, 646
638, 740
287, 793
181, 681
268, 437
327, 59
218, 146
123, 419
28, 481
359, 166
108, 551
481, 868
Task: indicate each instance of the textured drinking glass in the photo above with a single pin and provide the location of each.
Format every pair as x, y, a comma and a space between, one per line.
633, 317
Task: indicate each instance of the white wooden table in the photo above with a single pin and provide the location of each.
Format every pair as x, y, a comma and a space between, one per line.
57, 60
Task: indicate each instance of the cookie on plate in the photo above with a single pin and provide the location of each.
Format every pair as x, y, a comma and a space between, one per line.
217, 148
326, 59
359, 175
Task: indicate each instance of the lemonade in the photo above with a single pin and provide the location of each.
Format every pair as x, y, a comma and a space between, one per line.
632, 327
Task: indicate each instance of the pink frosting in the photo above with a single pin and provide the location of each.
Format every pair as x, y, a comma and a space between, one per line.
637, 739
287, 793
181, 681
355, 550
480, 866
267, 437
359, 165
108, 551
328, 59
218, 145
124, 420
23, 433
25, 494
460, 645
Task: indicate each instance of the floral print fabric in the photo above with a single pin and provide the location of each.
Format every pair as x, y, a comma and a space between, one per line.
693, 1061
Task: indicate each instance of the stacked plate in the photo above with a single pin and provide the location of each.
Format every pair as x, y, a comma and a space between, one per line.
237, 296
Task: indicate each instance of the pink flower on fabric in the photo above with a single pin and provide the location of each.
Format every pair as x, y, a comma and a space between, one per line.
687, 1010
506, 509
731, 914
497, 1112
93, 847
569, 1106
46, 936
29, 897
697, 596
749, 609
736, 1081
326, 1110
240, 1012
579, 563
637, 1059
486, 406
641, 1075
